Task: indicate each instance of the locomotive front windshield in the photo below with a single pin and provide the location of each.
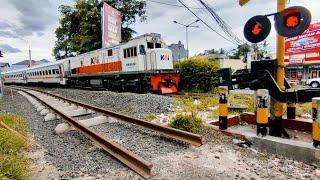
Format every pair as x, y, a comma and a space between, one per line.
152, 45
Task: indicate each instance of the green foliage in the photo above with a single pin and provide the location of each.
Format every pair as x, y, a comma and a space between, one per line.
13, 167
186, 123
241, 50
80, 26
12, 163
150, 117
198, 75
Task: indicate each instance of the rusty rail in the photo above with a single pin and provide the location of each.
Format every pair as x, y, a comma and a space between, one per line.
177, 134
133, 161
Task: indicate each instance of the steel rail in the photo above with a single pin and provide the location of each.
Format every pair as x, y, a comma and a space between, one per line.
177, 134
136, 163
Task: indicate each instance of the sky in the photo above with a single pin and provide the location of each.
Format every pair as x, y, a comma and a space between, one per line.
33, 22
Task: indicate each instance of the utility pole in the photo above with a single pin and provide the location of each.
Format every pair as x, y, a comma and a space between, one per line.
29, 56
187, 33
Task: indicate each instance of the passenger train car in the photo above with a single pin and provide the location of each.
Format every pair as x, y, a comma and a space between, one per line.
142, 64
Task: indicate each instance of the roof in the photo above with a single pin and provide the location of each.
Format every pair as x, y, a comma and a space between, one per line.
32, 62
37, 66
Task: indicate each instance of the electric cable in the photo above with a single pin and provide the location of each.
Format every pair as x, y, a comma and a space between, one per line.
207, 24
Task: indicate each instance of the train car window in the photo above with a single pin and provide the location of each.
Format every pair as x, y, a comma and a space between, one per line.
57, 71
53, 71
128, 53
47, 73
125, 53
150, 45
158, 45
131, 52
135, 51
40, 73
43, 73
110, 52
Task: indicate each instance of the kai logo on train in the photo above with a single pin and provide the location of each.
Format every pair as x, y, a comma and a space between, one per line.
165, 57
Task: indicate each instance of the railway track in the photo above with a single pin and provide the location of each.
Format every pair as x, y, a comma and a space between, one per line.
68, 109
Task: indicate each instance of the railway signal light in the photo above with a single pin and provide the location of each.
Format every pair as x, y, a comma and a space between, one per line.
257, 29
292, 21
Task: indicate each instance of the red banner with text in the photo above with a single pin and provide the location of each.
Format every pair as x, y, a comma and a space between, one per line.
111, 26
308, 42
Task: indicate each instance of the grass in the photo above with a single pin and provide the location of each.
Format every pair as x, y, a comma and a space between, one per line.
188, 105
186, 122
150, 117
13, 165
301, 109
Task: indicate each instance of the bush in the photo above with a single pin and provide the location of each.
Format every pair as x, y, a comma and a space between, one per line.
198, 75
186, 123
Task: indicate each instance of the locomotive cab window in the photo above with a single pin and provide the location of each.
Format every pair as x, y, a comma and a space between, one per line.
150, 45
158, 45
110, 52
142, 49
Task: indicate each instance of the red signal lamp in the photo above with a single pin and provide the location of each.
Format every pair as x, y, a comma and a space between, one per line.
292, 21
257, 29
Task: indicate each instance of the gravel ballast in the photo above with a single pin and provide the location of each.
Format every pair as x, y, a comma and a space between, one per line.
135, 105
74, 156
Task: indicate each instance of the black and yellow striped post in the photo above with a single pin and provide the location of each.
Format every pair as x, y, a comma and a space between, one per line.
291, 107
316, 121
223, 107
291, 110
262, 111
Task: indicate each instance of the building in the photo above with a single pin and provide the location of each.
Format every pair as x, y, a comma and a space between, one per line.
303, 56
4, 66
178, 51
26, 64
234, 64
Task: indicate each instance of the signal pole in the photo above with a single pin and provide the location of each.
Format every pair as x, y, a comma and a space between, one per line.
276, 128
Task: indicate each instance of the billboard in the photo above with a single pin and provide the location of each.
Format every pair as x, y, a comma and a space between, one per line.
307, 42
111, 26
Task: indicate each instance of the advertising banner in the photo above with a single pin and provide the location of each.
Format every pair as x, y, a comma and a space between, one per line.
111, 26
307, 42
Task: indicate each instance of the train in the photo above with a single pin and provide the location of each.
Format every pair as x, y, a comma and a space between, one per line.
143, 64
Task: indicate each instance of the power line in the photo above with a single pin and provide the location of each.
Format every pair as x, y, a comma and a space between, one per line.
223, 25
206, 23
174, 5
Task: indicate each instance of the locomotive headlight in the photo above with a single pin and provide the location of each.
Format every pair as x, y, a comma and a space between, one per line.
177, 71
158, 72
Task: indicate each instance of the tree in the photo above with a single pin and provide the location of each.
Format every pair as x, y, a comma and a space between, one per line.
80, 26
222, 51
242, 50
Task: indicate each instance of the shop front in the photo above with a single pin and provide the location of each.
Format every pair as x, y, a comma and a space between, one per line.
302, 56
